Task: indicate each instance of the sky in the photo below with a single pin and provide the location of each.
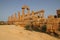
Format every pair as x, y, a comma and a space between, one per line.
9, 7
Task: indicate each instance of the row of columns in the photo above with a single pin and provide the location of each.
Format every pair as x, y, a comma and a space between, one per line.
14, 18
21, 17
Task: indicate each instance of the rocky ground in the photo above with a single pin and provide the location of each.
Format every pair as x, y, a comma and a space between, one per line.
13, 32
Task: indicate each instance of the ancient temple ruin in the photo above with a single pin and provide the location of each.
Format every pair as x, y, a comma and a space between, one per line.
36, 18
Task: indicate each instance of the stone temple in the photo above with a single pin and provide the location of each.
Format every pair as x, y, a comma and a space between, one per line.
35, 18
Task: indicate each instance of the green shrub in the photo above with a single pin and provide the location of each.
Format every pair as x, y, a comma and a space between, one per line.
59, 29
32, 28
36, 29
28, 27
44, 28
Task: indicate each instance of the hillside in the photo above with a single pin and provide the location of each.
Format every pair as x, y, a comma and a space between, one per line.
13, 32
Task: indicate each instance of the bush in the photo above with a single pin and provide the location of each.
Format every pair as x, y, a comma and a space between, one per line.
44, 28
32, 28
28, 27
36, 28
59, 29
55, 34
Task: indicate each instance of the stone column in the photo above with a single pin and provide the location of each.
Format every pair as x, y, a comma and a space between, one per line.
41, 13
58, 13
23, 13
32, 13
18, 16
28, 11
14, 17
10, 20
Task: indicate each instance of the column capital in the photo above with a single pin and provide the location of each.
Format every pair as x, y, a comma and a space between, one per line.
28, 9
23, 8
